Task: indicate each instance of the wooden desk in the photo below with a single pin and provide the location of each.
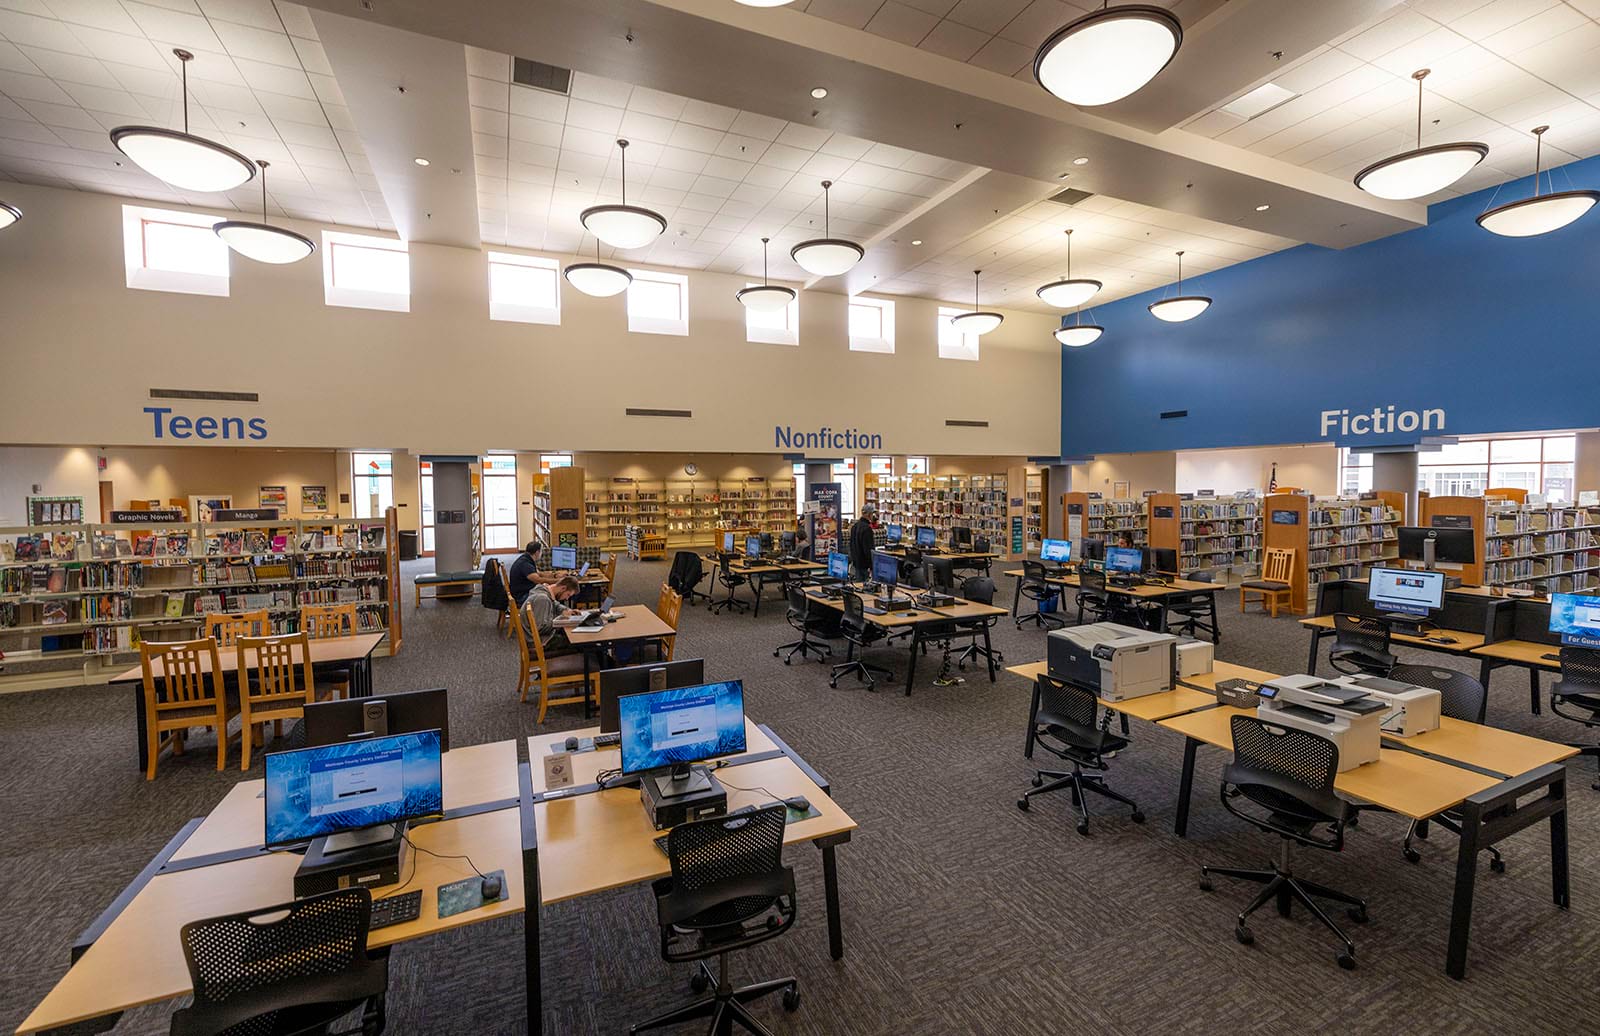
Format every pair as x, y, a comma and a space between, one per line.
1144, 592
353, 651
638, 624
758, 573
1523, 653
1149, 707
918, 620
959, 556
1464, 642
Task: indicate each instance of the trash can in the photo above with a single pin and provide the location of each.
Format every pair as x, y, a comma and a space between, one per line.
408, 545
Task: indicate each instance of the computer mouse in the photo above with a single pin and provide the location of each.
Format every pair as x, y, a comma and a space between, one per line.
798, 803
570, 744
491, 887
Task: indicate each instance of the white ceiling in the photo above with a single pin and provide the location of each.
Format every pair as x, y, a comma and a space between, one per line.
71, 70
1498, 69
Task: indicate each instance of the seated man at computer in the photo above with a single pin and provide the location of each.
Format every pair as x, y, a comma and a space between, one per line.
861, 544
525, 574
546, 603
1125, 539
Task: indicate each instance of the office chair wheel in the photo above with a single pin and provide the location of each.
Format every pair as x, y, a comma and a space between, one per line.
791, 999
1205, 884
834, 682
1357, 914
699, 981
1497, 864
1022, 804
1411, 855
1083, 827
785, 661
1038, 782
1347, 961
1244, 935
1138, 817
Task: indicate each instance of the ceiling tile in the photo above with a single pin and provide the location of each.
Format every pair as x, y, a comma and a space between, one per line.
171, 27
258, 13
854, 13
96, 13
602, 91
704, 113
954, 40
1003, 56
535, 104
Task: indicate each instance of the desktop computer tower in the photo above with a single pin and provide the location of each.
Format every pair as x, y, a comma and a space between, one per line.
372, 865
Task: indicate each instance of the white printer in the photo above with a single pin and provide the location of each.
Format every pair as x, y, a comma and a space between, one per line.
1412, 710
1118, 662
1347, 716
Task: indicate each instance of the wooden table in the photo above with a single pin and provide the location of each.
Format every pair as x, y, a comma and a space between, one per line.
132, 953
1149, 707
1532, 656
463, 584
637, 625
1142, 592
919, 619
353, 651
1462, 641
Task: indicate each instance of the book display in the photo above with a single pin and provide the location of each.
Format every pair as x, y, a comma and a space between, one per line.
1556, 545
942, 501
1345, 536
1221, 535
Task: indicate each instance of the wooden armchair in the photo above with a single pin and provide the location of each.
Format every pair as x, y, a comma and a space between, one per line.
669, 605
192, 696
227, 627
1276, 584
275, 683
555, 674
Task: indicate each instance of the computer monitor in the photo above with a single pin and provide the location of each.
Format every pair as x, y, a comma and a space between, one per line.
332, 722
1161, 559
1450, 546
642, 679
1124, 559
893, 533
766, 543
786, 542
752, 546
960, 536
885, 568
1058, 551
1406, 591
679, 727
941, 573
838, 565
1577, 618
1094, 549
564, 558
352, 785
727, 542
925, 535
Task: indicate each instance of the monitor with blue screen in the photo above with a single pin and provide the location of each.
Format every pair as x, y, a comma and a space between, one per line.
563, 558
925, 535
680, 726
351, 785
727, 542
1124, 559
838, 565
893, 533
885, 568
1577, 618
752, 546
1059, 551
1406, 591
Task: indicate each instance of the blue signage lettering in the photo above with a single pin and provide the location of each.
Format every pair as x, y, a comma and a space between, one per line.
790, 438
167, 425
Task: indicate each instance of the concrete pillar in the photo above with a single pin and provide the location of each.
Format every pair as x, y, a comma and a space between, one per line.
1397, 472
452, 499
1586, 472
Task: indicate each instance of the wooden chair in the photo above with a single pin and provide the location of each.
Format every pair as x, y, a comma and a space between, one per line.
609, 567
1276, 585
326, 622
193, 697
669, 605
553, 674
275, 688
505, 620
227, 627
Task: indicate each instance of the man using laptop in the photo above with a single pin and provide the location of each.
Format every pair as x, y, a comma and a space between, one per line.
524, 574
546, 603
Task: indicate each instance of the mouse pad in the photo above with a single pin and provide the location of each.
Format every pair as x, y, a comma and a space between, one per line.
466, 894
794, 817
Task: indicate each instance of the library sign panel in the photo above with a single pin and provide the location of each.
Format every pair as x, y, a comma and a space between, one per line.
1342, 424
169, 425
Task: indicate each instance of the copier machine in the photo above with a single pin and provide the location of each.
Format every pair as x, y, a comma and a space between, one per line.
1116, 662
1346, 715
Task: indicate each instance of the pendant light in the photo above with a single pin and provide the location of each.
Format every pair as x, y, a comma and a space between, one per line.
1537, 215
826, 256
1079, 334
9, 214
623, 226
764, 297
185, 161
1180, 307
1413, 174
977, 322
1067, 293
1107, 54
262, 241
602, 280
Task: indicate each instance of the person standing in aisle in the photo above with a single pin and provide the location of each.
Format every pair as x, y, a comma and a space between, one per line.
861, 545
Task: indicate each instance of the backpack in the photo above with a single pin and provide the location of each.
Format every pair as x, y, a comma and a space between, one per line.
494, 586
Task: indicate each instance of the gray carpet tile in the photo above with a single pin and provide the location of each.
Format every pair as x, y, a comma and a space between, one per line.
962, 914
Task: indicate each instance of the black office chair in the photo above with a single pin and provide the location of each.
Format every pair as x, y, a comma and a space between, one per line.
1576, 695
1093, 598
1286, 775
982, 590
254, 976
685, 575
730, 579
1196, 613
1360, 645
980, 545
858, 634
1035, 589
1460, 697
729, 890
806, 621
1065, 721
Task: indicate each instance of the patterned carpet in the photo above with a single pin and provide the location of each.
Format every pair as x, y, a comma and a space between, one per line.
962, 914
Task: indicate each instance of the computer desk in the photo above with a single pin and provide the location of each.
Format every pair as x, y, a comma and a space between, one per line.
1150, 592
1465, 642
962, 611
1525, 654
355, 651
787, 571
637, 625
132, 953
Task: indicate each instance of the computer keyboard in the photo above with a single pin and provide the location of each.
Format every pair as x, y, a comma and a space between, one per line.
608, 740
1550, 656
875, 611
396, 909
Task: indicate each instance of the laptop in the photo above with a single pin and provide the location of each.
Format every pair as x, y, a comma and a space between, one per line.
584, 570
594, 619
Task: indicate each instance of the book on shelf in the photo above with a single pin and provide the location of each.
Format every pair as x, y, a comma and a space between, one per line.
27, 548
56, 581
55, 613
104, 545
64, 546
256, 541
174, 603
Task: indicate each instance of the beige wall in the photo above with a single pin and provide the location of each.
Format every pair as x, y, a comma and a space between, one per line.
1143, 470
1313, 468
81, 350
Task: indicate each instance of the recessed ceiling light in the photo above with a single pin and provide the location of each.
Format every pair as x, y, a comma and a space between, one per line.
917, 241
820, 92
1259, 101
1080, 160
420, 161
1263, 208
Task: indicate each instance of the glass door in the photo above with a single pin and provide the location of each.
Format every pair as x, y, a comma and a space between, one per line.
500, 504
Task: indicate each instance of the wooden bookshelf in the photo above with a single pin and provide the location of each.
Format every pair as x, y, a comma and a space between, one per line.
977, 502
1443, 511
1348, 535
1286, 526
558, 509
1556, 545
1220, 535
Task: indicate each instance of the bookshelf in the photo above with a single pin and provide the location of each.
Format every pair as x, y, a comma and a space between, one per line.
1221, 534
1346, 536
1557, 545
943, 501
1036, 490
1286, 526
560, 508
89, 592
475, 515
1105, 520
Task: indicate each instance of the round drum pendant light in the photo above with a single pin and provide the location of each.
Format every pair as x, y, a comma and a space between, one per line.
978, 322
602, 280
623, 226
1537, 215
1067, 293
185, 161
9, 214
1107, 54
1079, 334
826, 256
262, 241
764, 297
1424, 170
1180, 307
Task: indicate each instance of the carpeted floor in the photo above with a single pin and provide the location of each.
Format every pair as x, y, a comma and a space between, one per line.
962, 914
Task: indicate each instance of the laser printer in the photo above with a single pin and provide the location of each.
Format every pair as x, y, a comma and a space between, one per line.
1116, 662
1347, 716
1412, 710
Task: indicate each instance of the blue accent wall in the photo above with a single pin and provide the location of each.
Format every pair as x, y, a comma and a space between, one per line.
1502, 333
